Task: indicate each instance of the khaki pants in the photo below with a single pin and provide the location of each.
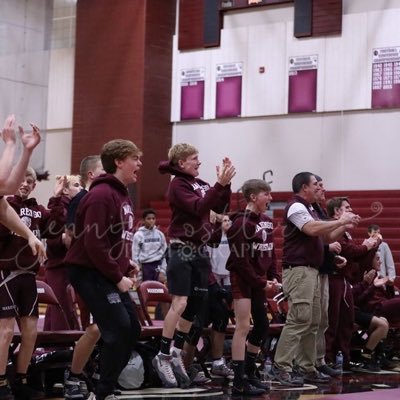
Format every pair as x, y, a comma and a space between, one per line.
298, 337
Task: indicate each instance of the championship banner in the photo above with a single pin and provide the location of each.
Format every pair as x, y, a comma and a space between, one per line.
229, 90
386, 77
192, 93
303, 84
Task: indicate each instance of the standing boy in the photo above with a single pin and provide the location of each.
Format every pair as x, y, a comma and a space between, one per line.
191, 200
75, 386
99, 259
149, 246
18, 267
252, 261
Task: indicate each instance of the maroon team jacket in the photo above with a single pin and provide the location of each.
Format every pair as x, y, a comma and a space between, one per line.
191, 200
252, 248
359, 258
104, 229
15, 252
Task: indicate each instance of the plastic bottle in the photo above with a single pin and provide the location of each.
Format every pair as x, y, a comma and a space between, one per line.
339, 360
268, 364
267, 370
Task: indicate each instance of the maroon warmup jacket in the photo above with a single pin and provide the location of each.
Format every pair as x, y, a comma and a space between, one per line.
252, 249
191, 200
359, 258
104, 229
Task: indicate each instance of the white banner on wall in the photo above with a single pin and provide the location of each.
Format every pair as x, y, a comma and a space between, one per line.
301, 63
190, 76
229, 70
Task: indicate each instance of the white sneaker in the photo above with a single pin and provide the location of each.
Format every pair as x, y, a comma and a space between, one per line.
179, 368
162, 365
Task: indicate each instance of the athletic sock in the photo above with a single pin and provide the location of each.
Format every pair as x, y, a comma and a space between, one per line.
179, 339
165, 345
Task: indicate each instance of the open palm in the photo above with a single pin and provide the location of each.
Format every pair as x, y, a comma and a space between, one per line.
31, 139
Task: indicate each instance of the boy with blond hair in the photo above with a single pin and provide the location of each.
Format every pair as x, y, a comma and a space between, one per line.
191, 200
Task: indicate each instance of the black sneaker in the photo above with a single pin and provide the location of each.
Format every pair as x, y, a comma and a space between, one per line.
246, 389
256, 382
5, 391
74, 388
315, 377
327, 370
284, 377
369, 362
388, 364
22, 391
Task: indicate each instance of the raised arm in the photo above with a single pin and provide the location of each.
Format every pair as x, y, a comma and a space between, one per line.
330, 230
9, 138
29, 141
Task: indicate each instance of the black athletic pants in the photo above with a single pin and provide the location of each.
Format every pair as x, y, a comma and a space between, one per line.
116, 318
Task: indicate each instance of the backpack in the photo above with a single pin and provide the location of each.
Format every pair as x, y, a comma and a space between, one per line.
139, 371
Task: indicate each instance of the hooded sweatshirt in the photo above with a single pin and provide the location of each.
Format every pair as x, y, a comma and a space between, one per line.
15, 253
252, 254
191, 200
149, 245
104, 229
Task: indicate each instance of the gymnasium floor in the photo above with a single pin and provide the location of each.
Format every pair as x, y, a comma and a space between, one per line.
355, 386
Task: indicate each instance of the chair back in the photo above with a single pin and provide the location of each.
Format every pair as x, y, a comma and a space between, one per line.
75, 306
46, 294
150, 294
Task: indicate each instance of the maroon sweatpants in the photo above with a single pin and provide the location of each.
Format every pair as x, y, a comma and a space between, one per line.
341, 319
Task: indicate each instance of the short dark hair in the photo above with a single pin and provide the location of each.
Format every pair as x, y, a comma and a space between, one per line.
333, 203
300, 179
373, 227
148, 211
318, 178
87, 164
254, 186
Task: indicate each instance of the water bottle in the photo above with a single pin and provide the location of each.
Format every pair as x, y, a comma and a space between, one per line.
339, 361
267, 368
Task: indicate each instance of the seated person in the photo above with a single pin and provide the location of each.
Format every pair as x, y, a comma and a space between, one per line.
377, 329
376, 295
387, 264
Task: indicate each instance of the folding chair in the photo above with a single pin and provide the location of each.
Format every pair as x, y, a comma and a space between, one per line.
74, 300
54, 340
277, 307
150, 294
148, 330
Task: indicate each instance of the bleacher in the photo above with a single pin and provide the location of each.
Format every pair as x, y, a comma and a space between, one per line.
380, 207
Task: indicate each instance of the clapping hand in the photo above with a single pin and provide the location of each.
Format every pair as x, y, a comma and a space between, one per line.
226, 172
31, 139
8, 132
